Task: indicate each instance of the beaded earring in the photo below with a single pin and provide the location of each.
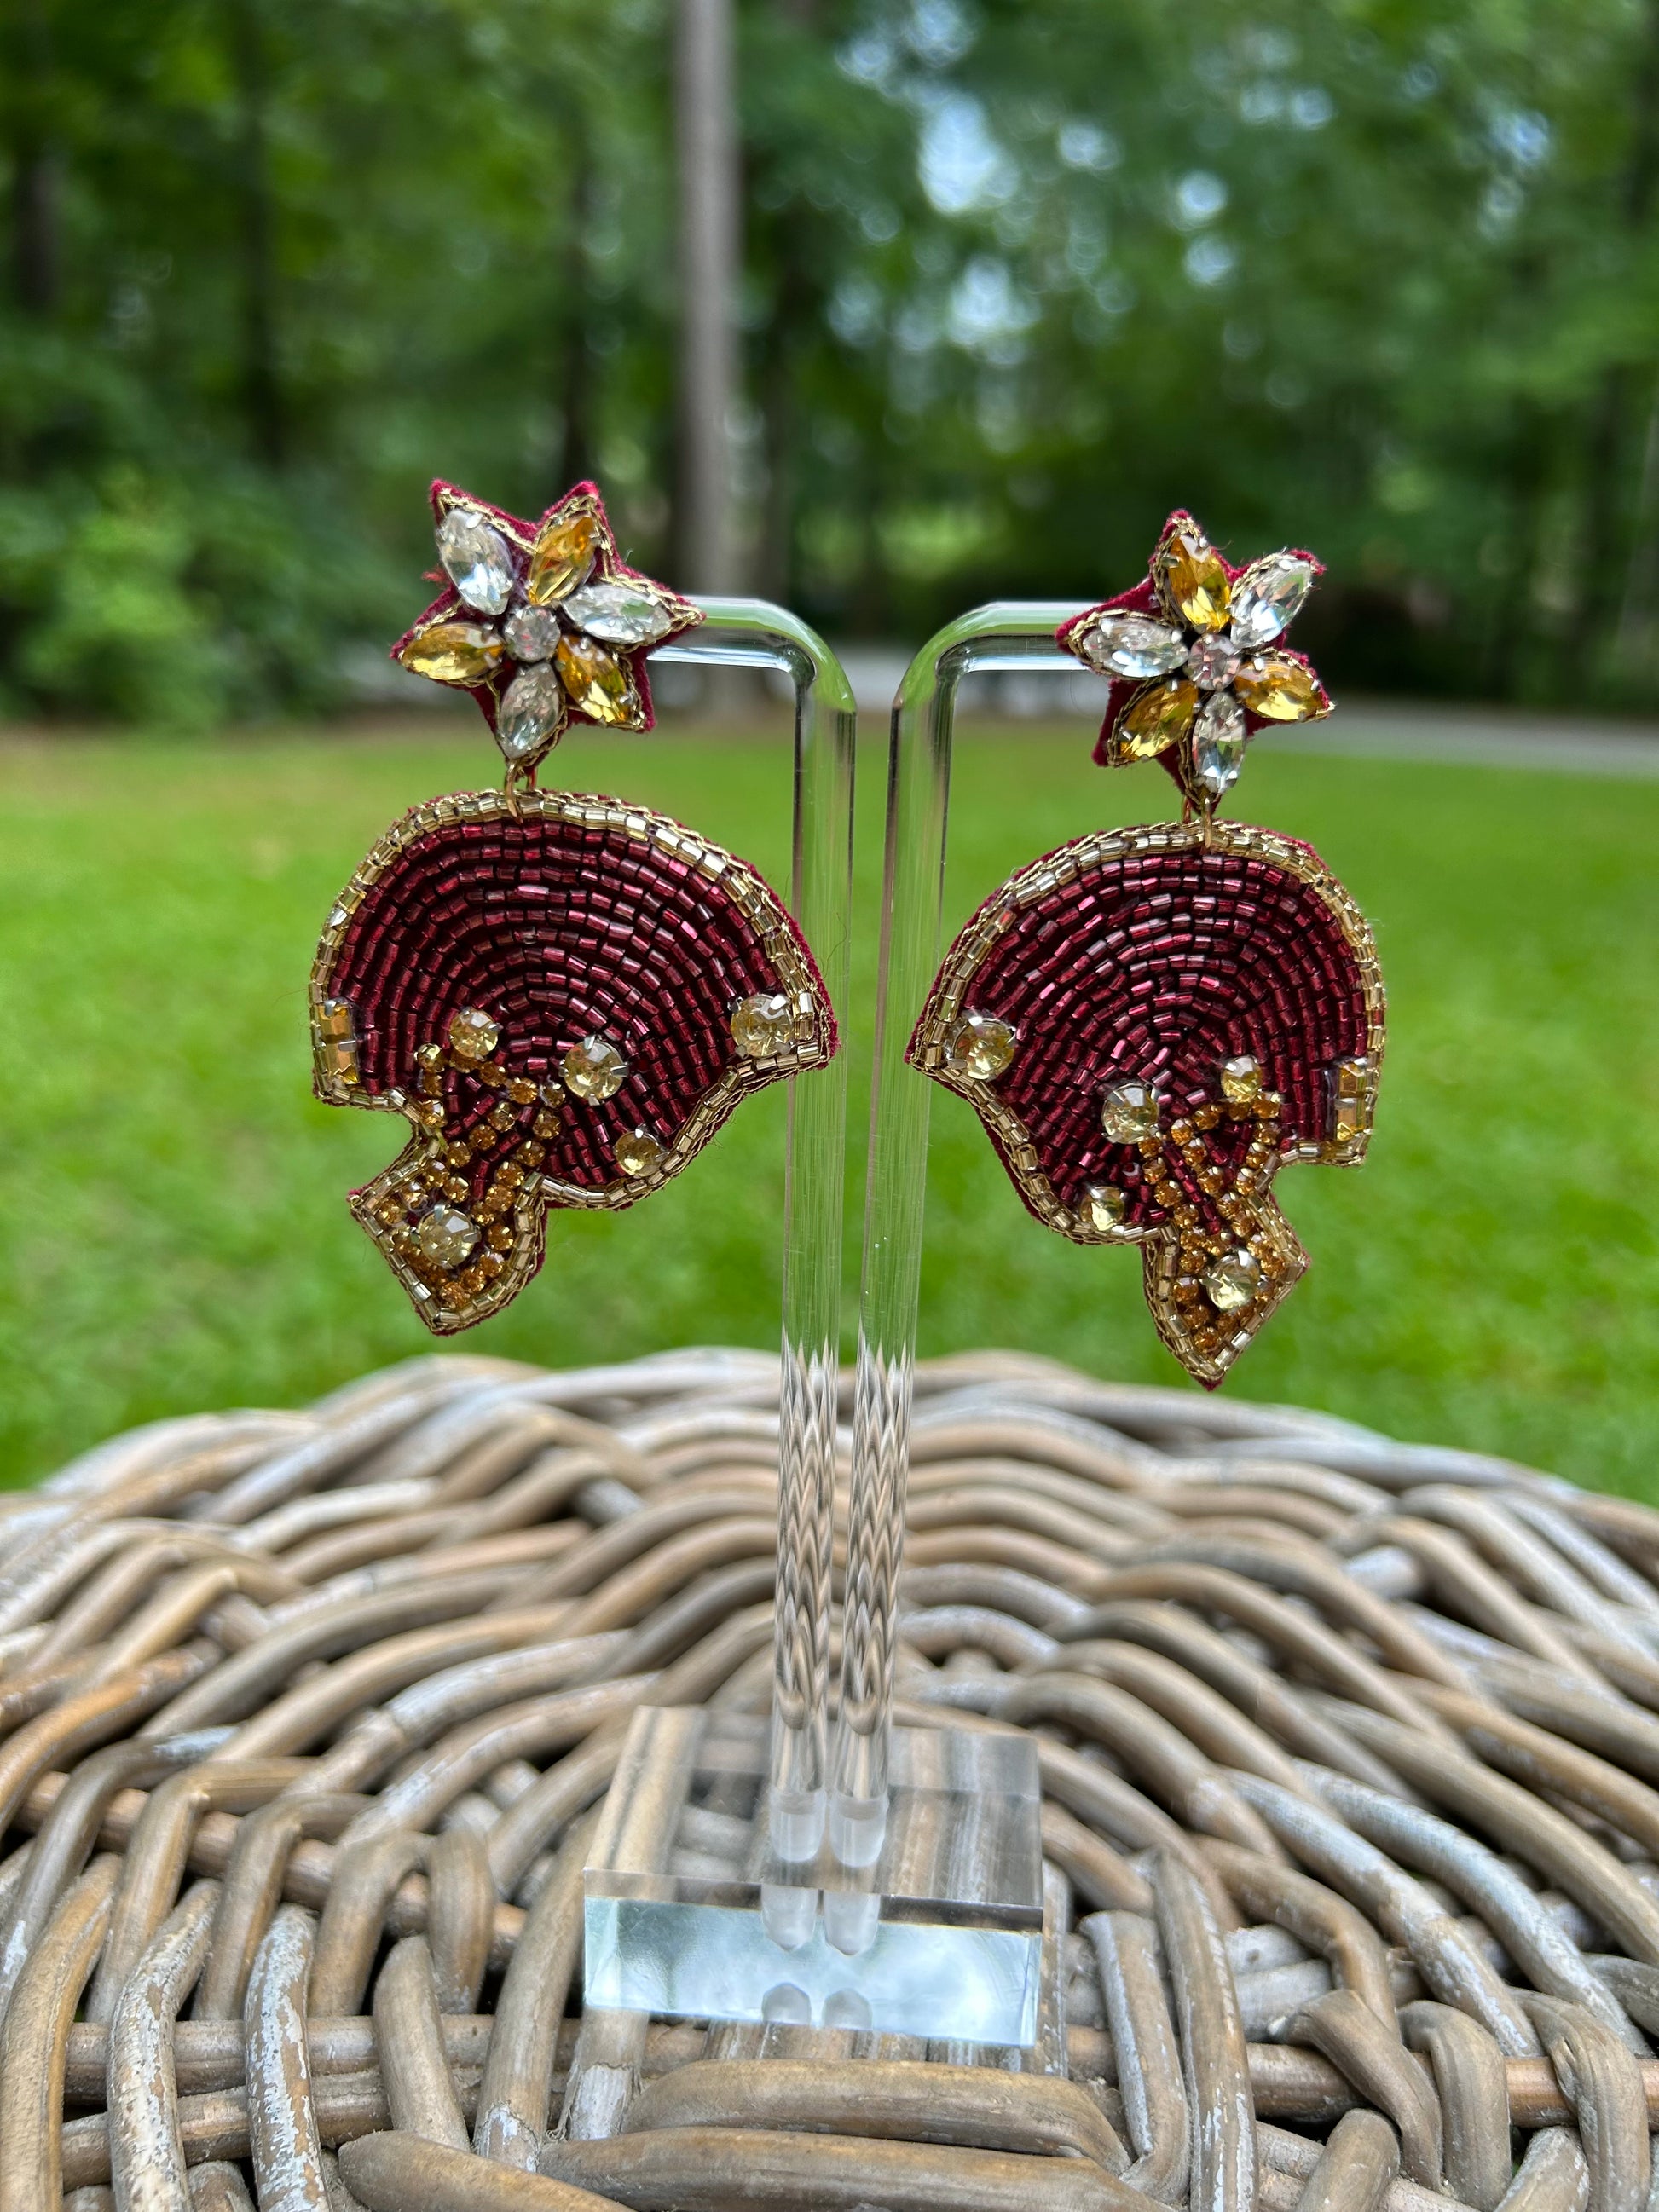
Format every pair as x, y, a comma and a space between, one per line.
563, 994
1151, 1021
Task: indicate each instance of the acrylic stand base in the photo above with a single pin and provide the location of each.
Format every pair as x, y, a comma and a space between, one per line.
674, 1883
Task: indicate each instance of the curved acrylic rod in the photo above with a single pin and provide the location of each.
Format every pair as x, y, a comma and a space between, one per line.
1008, 634
753, 634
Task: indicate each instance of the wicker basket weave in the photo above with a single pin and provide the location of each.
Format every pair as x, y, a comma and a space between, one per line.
1348, 1751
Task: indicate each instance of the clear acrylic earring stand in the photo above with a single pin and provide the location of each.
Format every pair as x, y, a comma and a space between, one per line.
986, 1854
916, 1909
707, 1850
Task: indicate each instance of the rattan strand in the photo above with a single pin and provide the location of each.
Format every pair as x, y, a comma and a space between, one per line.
1350, 1752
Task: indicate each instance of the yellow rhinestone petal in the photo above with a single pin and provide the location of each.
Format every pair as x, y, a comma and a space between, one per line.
1280, 690
560, 558
599, 684
1193, 578
454, 653
1157, 715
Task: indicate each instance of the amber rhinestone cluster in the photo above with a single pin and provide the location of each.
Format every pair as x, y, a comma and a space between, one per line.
1217, 1274
418, 1211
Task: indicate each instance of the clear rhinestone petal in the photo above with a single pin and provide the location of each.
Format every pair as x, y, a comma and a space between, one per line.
476, 559
1218, 744
1132, 645
620, 614
1267, 598
531, 710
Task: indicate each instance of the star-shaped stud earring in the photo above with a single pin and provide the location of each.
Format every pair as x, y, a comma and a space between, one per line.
542, 623
1195, 662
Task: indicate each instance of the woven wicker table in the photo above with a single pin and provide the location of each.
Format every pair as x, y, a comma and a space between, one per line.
1347, 1749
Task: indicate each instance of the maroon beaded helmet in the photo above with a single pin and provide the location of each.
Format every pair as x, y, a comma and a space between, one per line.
1151, 1021
563, 995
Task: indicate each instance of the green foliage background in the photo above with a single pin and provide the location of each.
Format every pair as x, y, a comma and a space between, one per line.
1378, 275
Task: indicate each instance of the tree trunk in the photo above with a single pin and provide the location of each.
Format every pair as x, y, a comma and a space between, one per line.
707, 148
37, 244
1607, 528
261, 380
791, 311
578, 442
37, 265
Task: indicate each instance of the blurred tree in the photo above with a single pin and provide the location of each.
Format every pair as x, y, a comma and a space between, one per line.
1017, 276
261, 379
706, 145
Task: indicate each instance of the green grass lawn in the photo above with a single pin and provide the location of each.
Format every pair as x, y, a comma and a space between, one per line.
173, 1228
